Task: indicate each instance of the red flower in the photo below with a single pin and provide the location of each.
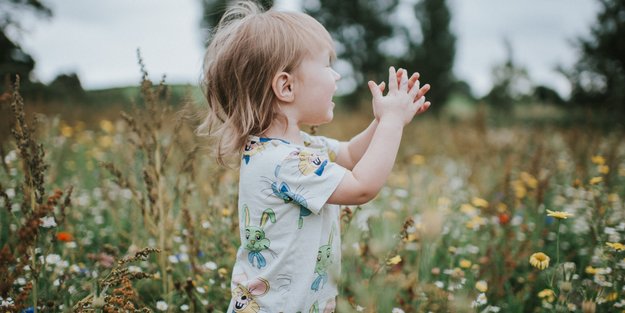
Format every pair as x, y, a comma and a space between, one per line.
64, 236
504, 218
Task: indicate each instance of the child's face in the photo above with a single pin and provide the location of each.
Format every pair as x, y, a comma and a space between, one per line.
315, 86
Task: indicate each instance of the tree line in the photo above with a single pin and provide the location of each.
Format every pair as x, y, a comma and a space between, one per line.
370, 35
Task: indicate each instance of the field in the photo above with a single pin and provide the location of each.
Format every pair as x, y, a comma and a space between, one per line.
132, 214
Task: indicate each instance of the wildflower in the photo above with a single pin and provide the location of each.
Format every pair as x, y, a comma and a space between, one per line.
590, 270
161, 305
67, 131
539, 260
481, 286
222, 272
479, 301
210, 265
359, 308
604, 169
504, 218
394, 260
64, 236
53, 258
596, 180
597, 159
547, 295
529, 180
47, 222
417, 159
397, 310
467, 209
464, 263
479, 202
559, 214
184, 307
107, 126
616, 246
6, 302
589, 306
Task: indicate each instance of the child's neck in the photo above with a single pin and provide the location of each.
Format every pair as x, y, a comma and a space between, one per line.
289, 132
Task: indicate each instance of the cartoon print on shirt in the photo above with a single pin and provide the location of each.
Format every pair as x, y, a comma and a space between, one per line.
253, 147
244, 297
329, 308
284, 192
255, 240
309, 162
324, 259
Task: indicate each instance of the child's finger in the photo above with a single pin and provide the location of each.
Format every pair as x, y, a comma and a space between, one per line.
423, 91
392, 79
382, 86
414, 91
424, 107
413, 79
375, 90
404, 81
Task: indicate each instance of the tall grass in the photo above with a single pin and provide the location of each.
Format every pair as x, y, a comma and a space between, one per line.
142, 219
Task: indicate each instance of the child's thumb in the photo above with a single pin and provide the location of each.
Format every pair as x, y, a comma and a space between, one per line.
375, 90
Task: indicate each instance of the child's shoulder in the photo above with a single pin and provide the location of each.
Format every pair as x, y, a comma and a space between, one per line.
265, 150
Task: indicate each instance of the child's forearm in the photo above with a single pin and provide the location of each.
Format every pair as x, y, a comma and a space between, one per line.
353, 150
377, 161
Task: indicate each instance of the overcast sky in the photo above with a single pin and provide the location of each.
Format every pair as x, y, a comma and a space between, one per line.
98, 39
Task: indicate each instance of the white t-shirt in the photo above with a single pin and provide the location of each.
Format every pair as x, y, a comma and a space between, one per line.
290, 238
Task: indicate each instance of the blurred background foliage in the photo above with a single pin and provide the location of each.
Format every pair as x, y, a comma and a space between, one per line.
369, 36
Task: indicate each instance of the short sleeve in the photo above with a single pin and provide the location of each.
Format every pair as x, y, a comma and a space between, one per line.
331, 145
308, 178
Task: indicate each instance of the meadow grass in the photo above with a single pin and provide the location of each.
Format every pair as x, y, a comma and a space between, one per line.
133, 214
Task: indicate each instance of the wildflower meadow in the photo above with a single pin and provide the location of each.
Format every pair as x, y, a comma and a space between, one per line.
132, 214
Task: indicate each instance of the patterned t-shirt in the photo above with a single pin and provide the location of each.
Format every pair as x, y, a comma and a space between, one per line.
290, 242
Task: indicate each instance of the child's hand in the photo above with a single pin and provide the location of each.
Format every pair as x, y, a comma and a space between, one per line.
404, 99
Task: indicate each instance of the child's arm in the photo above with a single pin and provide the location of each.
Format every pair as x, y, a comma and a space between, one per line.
393, 111
350, 152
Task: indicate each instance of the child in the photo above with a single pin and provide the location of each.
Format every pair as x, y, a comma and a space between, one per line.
265, 75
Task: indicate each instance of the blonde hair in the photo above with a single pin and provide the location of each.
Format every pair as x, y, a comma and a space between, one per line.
247, 49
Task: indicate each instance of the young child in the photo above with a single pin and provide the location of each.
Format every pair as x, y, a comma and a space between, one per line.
265, 75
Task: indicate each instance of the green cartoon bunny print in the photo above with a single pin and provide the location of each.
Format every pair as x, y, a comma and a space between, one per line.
255, 241
324, 259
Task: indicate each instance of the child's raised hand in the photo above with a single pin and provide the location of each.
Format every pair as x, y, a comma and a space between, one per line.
404, 99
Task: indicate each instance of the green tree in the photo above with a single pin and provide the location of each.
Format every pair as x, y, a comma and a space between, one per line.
14, 60
599, 76
433, 54
511, 83
213, 10
360, 28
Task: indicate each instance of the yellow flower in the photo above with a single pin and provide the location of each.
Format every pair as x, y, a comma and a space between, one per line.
519, 189
596, 180
479, 202
394, 260
481, 286
222, 272
616, 246
67, 131
107, 126
467, 209
597, 159
559, 214
590, 270
502, 207
529, 180
547, 294
464, 263
539, 260
604, 169
417, 159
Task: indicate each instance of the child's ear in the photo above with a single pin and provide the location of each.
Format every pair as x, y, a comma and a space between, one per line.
282, 86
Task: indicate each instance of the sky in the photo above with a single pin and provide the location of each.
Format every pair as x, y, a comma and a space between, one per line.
98, 40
